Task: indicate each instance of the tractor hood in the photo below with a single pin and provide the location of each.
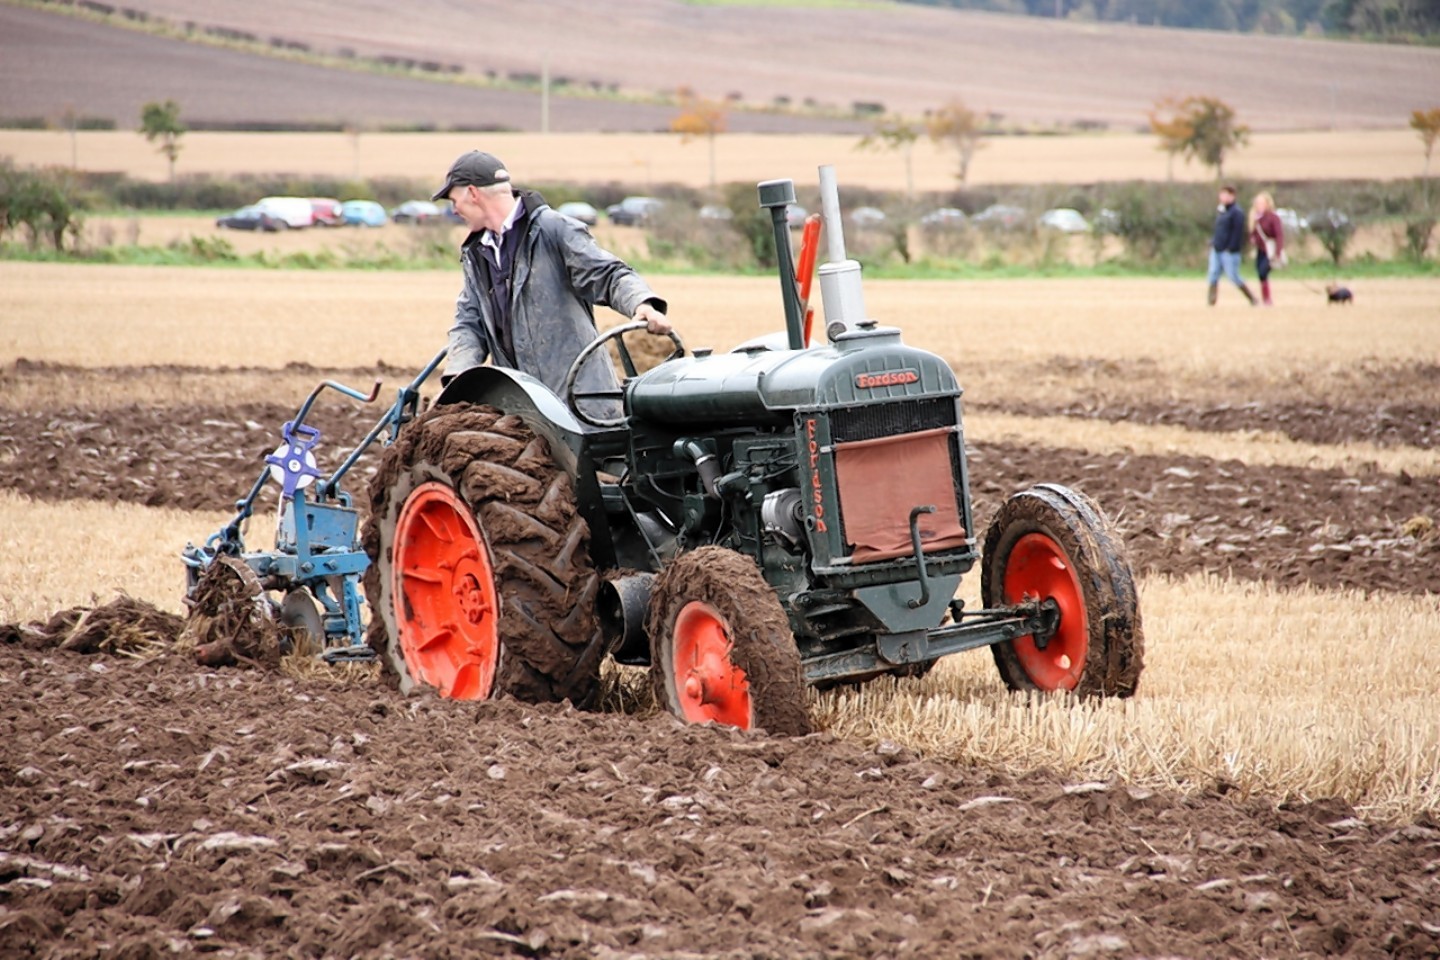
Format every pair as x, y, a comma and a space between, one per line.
756, 385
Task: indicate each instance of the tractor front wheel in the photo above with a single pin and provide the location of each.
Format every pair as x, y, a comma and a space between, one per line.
721, 647
481, 583
1052, 544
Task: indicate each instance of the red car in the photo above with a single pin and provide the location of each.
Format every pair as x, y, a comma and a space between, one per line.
328, 212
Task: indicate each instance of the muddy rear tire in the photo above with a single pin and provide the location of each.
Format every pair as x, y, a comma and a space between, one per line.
1053, 543
481, 583
721, 648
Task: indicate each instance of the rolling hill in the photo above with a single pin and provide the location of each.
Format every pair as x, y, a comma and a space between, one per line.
1025, 72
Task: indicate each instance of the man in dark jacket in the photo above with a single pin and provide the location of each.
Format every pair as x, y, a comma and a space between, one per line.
1226, 246
532, 278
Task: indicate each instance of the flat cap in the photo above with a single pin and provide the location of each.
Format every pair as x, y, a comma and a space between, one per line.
476, 168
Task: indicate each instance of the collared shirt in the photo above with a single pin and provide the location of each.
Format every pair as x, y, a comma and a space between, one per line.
491, 240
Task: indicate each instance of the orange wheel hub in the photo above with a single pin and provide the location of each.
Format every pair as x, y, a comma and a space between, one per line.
708, 684
1038, 569
446, 604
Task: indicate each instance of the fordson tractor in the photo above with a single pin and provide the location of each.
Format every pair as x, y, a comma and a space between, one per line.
744, 524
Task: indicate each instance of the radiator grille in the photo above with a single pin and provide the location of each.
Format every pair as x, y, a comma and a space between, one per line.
888, 419
898, 417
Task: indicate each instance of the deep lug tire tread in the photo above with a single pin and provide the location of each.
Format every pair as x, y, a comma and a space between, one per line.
763, 645
524, 504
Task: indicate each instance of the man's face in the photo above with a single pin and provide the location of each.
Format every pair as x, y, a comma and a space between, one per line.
467, 204
1226, 198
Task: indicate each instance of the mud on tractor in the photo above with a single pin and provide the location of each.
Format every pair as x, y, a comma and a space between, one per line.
743, 523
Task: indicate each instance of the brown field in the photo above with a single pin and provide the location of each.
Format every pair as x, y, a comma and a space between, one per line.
1270, 791
647, 160
1028, 72
216, 316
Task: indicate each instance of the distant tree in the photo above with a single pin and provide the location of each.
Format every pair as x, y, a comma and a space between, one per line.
41, 201
958, 127
1427, 124
1174, 131
1204, 128
699, 117
161, 121
896, 133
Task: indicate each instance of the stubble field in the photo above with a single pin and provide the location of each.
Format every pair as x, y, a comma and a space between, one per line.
649, 159
1271, 791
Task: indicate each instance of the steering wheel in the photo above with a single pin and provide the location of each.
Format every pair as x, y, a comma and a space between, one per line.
573, 396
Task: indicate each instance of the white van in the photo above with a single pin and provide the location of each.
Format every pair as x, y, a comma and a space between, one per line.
295, 211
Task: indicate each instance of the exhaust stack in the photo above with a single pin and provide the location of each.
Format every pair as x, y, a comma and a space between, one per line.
840, 276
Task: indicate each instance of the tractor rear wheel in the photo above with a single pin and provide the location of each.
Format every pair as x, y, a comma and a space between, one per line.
1053, 544
721, 648
481, 583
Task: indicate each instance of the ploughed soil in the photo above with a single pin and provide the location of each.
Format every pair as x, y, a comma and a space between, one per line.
152, 806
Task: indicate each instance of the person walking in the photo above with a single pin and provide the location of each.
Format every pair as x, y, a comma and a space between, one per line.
532, 280
1225, 246
1268, 235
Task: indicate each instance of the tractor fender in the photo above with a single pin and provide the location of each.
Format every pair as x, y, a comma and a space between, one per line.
527, 398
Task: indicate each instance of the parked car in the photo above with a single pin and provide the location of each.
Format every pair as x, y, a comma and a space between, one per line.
581, 211
715, 211
1065, 220
416, 211
944, 217
999, 215
363, 213
326, 212
634, 211
252, 217
867, 216
295, 211
795, 216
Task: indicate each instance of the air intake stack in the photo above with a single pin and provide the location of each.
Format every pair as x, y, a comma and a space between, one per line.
839, 276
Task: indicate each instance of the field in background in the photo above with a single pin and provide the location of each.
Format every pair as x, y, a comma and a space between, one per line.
647, 160
109, 315
1026, 72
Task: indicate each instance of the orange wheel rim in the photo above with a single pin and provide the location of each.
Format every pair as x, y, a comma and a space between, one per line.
1038, 569
446, 604
708, 684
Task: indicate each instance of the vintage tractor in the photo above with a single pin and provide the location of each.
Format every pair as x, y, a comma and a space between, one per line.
744, 523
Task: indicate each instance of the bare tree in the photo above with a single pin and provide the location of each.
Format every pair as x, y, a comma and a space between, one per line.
1427, 124
896, 133
958, 127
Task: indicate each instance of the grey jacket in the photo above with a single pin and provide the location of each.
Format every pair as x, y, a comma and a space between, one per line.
560, 276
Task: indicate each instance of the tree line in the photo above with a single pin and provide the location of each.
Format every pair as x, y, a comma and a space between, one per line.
1395, 20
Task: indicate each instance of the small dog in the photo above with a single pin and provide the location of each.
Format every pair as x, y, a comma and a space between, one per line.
1335, 293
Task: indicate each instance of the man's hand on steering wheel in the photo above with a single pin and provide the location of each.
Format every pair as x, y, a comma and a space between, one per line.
653, 319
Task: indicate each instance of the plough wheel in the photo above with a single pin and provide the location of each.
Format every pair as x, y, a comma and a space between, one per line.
1052, 543
481, 584
721, 647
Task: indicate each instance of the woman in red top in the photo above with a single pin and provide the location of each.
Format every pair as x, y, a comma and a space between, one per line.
1268, 235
